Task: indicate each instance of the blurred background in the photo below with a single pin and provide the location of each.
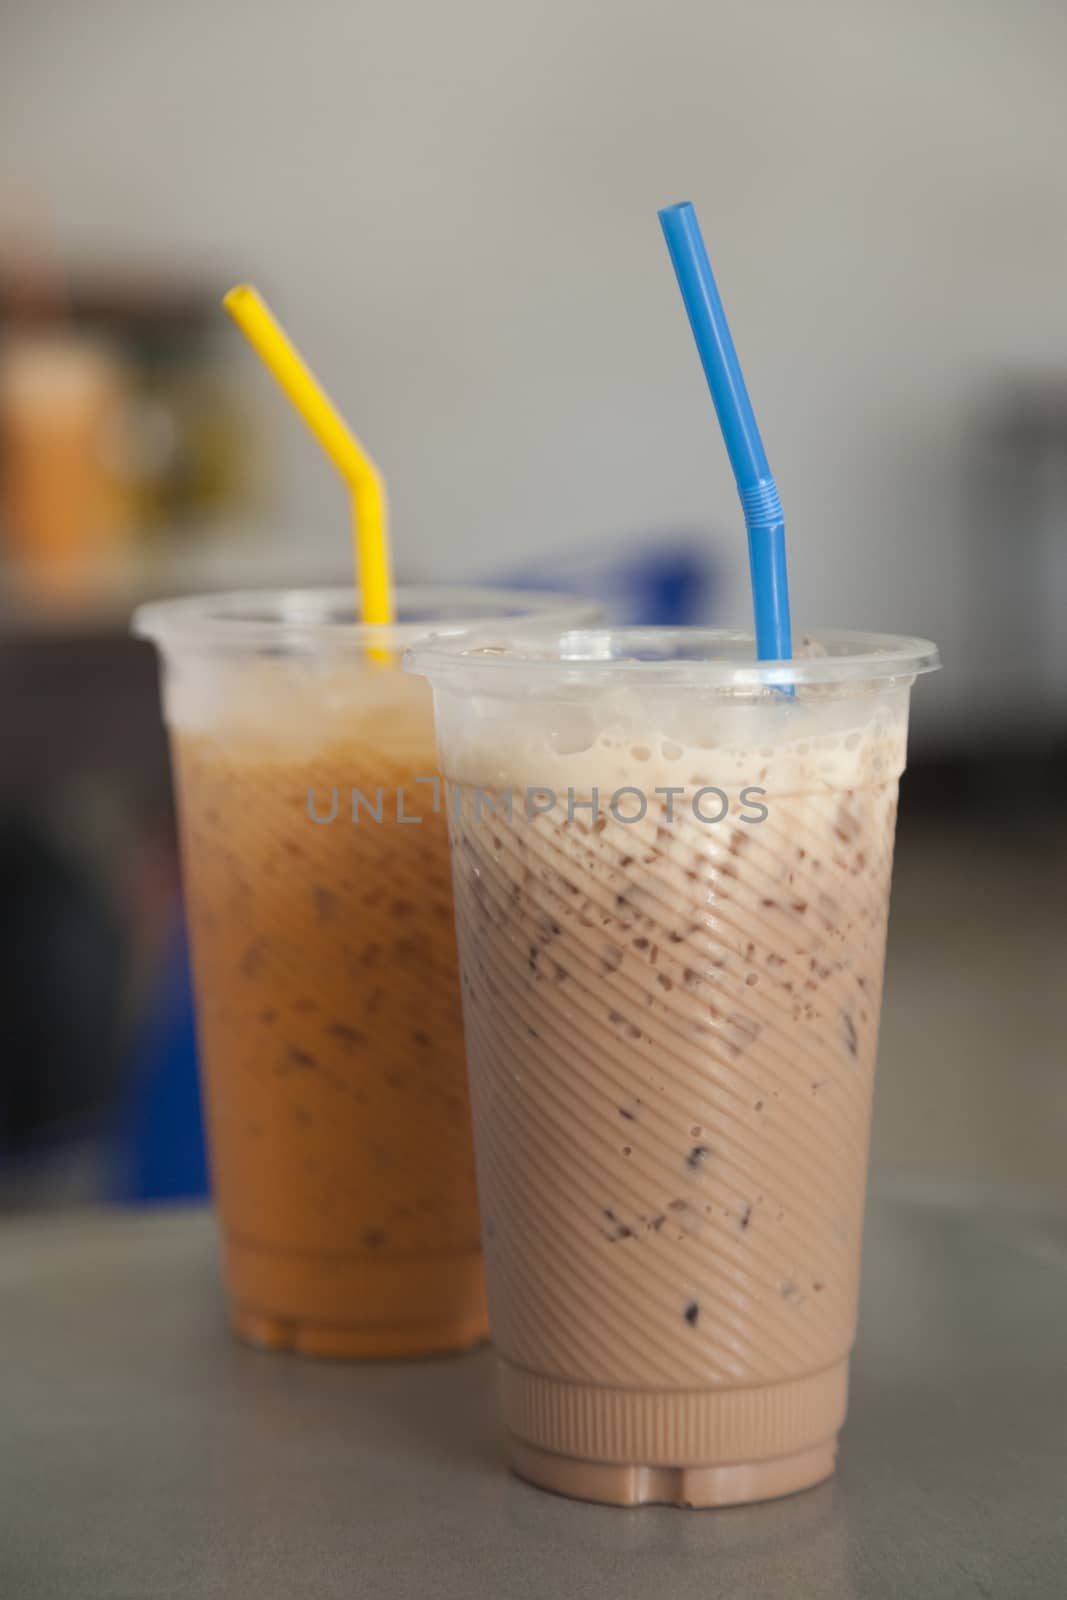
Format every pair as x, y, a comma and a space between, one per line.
452, 207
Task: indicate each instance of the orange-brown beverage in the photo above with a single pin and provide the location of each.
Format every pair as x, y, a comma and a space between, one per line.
318, 892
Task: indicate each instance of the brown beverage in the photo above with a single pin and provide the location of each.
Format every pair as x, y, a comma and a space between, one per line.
320, 910
672, 981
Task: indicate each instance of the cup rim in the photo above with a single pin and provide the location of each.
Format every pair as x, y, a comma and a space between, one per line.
318, 618
488, 661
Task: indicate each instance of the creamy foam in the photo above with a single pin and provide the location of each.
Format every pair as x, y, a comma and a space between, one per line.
805, 744
291, 705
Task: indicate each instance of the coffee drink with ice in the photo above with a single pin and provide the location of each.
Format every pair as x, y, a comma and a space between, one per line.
671, 872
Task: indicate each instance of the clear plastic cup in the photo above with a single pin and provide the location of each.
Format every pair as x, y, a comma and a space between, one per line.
319, 902
671, 885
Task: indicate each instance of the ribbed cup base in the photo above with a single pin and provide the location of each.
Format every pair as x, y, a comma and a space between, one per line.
612, 1485
684, 1447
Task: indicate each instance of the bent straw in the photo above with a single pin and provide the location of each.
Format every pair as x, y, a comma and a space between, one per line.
369, 503
764, 518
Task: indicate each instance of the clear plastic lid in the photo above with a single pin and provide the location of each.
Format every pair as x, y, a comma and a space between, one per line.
328, 620
541, 659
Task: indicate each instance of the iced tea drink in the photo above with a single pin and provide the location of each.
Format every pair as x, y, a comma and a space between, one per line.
318, 893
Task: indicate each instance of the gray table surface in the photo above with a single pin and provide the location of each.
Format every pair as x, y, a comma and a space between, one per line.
145, 1453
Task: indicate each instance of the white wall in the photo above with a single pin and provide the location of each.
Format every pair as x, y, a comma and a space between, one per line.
453, 206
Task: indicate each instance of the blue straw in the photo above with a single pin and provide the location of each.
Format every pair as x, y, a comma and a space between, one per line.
755, 485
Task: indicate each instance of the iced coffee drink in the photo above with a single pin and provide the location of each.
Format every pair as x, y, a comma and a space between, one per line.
672, 882
318, 893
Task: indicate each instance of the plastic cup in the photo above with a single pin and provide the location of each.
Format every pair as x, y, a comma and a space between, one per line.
671, 885
319, 903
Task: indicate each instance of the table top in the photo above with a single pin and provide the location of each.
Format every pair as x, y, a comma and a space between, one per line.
146, 1453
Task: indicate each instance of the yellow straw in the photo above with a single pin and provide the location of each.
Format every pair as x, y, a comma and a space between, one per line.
369, 506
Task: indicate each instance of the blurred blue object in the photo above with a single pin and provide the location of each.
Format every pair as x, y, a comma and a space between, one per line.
663, 578
161, 1154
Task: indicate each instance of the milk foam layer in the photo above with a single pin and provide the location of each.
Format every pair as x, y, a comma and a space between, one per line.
807, 744
294, 705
